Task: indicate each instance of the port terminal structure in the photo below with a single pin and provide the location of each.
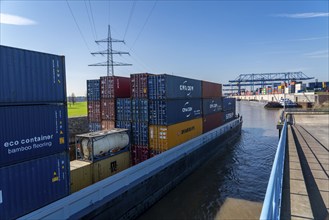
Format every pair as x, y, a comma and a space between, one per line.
262, 79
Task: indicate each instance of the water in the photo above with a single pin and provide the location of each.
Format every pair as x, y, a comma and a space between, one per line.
240, 171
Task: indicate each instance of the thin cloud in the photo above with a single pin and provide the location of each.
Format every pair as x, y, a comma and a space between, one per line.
304, 15
15, 20
318, 54
291, 40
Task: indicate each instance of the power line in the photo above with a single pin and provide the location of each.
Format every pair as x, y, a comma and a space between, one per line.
84, 40
89, 19
148, 17
92, 18
129, 19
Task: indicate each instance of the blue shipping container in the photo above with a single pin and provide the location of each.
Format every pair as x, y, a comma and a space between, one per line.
93, 90
29, 77
172, 111
139, 109
210, 106
229, 104
140, 133
95, 126
228, 115
29, 132
27, 186
123, 124
173, 87
123, 109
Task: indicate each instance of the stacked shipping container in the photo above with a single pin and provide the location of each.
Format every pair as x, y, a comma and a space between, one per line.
111, 88
34, 162
211, 106
175, 111
94, 105
139, 115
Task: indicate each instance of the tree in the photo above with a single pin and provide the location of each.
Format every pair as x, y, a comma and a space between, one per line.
73, 98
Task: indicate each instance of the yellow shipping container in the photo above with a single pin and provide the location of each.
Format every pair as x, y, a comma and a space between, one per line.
81, 175
163, 138
84, 173
110, 166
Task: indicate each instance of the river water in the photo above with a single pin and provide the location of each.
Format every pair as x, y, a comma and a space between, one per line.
240, 171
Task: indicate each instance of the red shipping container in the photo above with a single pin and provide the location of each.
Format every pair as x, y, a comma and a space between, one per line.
115, 87
139, 154
212, 121
108, 109
108, 124
211, 90
139, 85
94, 111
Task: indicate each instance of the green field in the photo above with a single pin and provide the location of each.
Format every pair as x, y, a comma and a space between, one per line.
78, 109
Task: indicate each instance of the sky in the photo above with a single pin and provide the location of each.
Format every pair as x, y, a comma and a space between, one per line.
209, 40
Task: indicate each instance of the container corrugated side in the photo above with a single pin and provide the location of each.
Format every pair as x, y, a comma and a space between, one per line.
211, 106
108, 124
140, 109
94, 111
29, 132
80, 175
30, 77
123, 109
110, 166
173, 87
108, 109
114, 87
123, 124
93, 90
212, 121
139, 154
211, 90
140, 133
32, 184
139, 85
94, 126
228, 115
172, 111
163, 138
229, 104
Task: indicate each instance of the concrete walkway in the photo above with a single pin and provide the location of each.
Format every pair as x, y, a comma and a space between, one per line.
306, 181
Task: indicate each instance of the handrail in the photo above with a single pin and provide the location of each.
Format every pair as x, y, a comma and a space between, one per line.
272, 202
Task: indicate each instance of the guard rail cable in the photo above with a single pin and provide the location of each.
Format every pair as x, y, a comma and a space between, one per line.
273, 197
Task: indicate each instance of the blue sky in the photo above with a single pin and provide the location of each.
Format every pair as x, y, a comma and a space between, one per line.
210, 40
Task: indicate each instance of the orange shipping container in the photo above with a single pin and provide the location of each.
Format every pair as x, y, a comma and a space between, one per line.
163, 138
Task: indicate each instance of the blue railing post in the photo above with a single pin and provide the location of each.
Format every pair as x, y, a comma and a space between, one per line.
272, 201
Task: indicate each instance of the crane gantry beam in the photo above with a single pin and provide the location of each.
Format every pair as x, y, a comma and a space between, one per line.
264, 77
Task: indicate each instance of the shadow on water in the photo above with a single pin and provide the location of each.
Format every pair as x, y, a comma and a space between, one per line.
240, 170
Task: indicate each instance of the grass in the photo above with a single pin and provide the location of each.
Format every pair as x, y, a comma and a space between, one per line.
78, 109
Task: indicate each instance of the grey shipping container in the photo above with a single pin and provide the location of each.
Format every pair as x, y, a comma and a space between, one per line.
29, 132
29, 77
172, 111
173, 87
27, 186
210, 106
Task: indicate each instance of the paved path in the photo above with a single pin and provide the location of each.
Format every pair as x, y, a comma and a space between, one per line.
306, 181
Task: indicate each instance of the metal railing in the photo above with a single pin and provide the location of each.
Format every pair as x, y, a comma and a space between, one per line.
272, 202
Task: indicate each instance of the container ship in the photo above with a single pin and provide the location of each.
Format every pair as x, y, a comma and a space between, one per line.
147, 133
